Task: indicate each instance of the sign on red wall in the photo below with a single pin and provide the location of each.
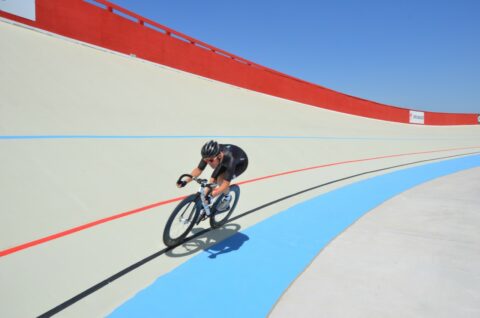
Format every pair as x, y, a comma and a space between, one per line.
417, 117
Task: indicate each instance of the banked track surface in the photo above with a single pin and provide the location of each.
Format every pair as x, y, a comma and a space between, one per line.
53, 184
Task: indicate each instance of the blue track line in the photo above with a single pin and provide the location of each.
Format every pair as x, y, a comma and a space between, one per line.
246, 274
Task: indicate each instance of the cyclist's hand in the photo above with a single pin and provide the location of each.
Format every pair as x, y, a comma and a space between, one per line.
181, 184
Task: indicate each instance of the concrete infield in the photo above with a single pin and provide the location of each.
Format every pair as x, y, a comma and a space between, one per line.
416, 255
86, 134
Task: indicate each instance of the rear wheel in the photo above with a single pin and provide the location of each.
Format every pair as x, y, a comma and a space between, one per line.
181, 221
220, 218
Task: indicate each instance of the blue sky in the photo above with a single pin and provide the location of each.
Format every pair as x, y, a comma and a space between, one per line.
418, 54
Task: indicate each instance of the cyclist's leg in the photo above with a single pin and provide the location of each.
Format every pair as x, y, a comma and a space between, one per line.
239, 169
220, 180
224, 203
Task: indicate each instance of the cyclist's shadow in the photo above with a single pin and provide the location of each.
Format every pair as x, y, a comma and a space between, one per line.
220, 241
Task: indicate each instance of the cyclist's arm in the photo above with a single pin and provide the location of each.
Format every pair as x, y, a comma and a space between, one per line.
227, 176
208, 190
195, 173
198, 170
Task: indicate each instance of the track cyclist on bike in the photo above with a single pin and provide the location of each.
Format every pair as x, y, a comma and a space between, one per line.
228, 162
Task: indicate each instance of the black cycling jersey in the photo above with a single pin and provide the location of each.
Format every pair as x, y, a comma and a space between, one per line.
234, 163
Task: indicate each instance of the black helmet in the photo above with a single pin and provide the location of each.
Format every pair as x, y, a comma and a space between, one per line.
210, 149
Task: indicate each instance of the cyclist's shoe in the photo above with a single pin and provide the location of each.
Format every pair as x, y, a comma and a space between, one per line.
224, 205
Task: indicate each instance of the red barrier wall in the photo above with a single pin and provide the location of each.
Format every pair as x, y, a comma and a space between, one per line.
102, 25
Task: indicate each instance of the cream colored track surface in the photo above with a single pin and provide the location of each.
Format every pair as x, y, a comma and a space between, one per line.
54, 87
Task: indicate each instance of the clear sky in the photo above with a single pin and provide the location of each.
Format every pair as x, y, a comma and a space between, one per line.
418, 54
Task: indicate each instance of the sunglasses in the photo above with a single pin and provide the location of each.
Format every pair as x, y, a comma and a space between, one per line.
210, 160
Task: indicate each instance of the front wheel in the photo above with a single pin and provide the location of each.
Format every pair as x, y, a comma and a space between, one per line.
220, 218
181, 221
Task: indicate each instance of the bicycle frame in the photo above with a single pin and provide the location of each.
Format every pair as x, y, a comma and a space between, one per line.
201, 191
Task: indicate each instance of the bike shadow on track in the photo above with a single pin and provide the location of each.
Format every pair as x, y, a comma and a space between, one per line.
220, 241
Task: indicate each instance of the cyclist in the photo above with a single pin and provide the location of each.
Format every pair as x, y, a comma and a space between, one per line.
228, 162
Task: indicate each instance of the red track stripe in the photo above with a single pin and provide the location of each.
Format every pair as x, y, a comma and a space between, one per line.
84, 226
154, 205
350, 161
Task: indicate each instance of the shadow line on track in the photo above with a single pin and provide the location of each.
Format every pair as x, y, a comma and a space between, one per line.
142, 262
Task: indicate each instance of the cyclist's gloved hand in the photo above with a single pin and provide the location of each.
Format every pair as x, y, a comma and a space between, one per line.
181, 183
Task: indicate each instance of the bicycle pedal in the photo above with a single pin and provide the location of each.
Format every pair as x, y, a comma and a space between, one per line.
203, 217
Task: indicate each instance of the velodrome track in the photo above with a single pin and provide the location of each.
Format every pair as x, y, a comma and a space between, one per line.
93, 141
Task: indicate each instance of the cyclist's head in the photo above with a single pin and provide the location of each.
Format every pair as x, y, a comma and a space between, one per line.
210, 149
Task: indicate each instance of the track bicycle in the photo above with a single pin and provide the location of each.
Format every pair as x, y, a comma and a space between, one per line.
189, 212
